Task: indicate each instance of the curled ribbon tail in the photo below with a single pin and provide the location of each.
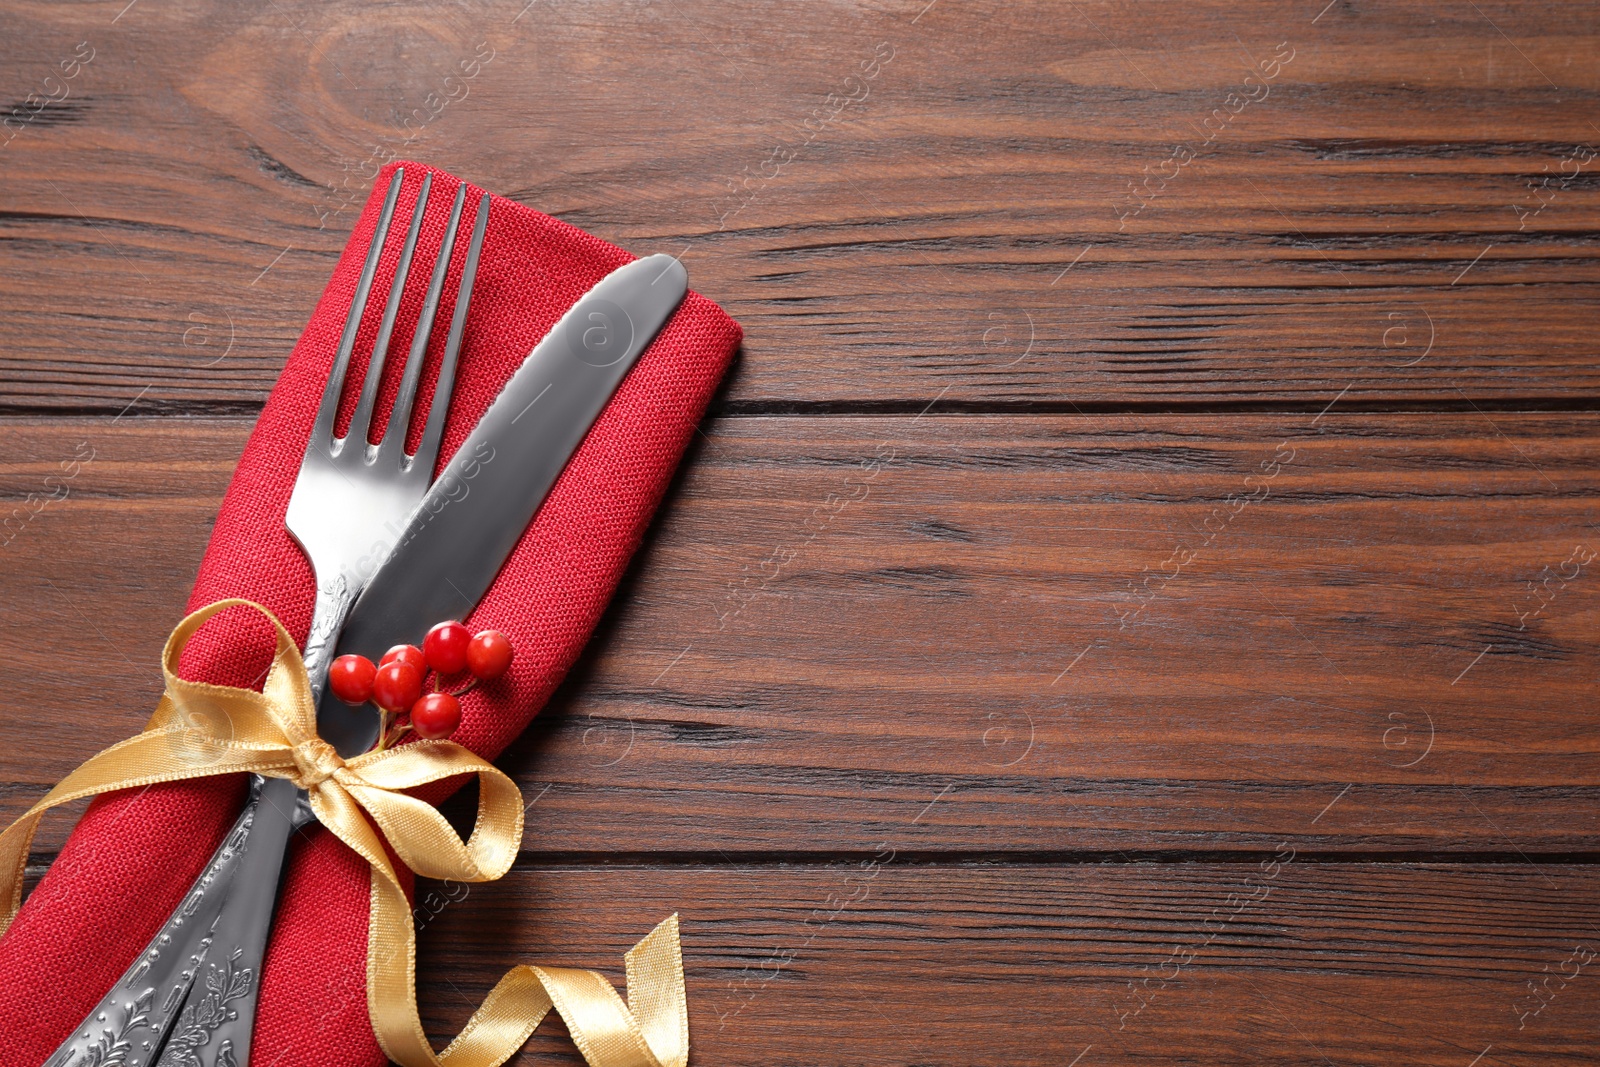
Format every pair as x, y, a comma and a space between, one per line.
650, 1030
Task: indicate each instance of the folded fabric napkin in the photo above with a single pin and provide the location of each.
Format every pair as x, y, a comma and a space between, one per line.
133, 854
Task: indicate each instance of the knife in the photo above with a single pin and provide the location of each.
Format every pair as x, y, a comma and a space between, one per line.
456, 540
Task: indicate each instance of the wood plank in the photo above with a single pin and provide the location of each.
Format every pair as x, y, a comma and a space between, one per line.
201, 173
1391, 647
1324, 963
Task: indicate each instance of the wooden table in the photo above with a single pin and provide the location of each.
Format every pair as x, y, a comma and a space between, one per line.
1202, 673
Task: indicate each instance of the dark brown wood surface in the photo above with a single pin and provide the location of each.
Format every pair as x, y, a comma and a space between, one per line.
1251, 517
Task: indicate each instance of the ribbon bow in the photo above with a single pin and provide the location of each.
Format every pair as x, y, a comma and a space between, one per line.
200, 730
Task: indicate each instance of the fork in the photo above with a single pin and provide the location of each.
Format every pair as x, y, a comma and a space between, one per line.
348, 502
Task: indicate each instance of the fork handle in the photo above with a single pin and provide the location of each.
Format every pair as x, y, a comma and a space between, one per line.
132, 1019
161, 1005
335, 598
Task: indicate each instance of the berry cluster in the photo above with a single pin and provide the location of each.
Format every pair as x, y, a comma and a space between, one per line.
395, 682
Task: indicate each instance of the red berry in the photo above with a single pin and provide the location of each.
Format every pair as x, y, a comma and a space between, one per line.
446, 647
410, 655
396, 686
489, 654
435, 716
350, 678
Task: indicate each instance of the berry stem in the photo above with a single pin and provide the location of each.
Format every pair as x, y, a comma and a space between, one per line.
390, 732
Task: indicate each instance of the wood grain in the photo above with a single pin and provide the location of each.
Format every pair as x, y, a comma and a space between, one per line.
811, 652
904, 963
1358, 225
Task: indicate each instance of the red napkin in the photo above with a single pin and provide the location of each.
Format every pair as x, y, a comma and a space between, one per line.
133, 854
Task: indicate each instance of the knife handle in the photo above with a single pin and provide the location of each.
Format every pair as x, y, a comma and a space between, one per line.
130, 1022
219, 1013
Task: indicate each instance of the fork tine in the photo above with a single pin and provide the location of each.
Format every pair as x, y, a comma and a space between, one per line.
428, 448
400, 417
360, 422
328, 409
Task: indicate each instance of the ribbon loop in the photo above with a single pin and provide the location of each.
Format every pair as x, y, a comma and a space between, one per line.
199, 730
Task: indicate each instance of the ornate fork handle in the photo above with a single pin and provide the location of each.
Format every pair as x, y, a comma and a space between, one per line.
189, 999
334, 601
128, 1025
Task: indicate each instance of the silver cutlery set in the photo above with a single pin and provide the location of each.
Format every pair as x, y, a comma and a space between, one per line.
189, 999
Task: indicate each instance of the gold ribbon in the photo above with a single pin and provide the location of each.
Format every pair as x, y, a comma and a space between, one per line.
200, 730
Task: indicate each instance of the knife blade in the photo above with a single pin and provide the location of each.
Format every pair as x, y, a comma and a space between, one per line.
476, 511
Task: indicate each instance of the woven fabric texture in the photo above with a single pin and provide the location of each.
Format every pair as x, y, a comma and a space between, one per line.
133, 854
